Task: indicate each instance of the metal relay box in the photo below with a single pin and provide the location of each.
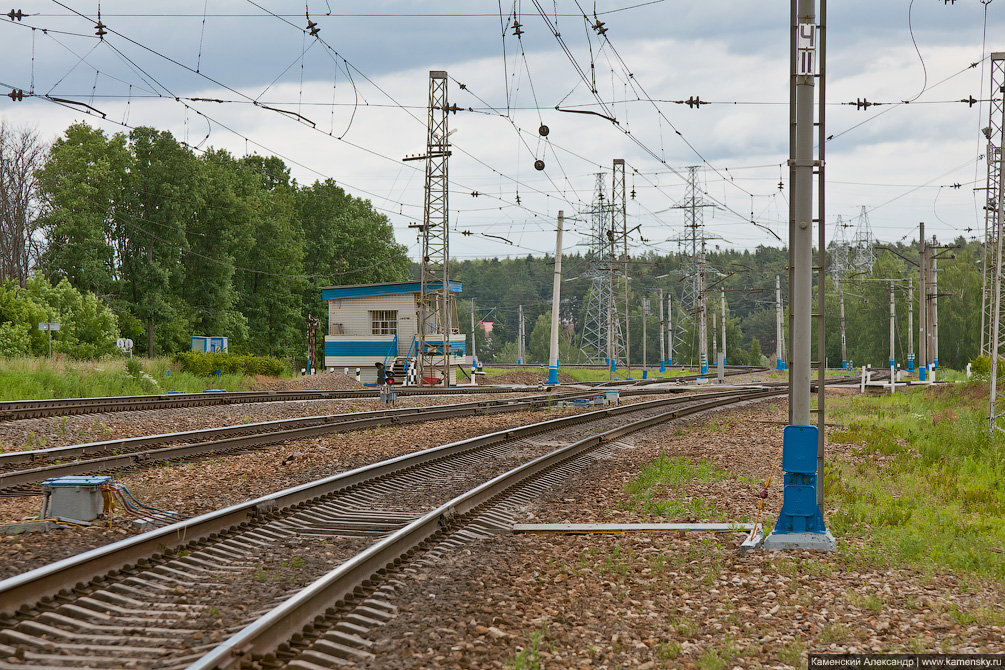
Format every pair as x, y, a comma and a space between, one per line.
73, 497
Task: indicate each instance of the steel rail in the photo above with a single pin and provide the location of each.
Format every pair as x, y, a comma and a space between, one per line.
283, 430
15, 458
24, 590
289, 618
26, 409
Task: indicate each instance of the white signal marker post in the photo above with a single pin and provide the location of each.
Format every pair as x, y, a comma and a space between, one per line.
556, 302
49, 327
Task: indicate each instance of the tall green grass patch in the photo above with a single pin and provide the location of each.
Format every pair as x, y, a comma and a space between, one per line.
40, 378
660, 490
928, 484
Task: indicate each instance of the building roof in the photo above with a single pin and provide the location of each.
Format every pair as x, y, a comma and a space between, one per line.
390, 288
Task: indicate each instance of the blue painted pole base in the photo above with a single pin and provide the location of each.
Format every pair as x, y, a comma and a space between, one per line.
614, 365
922, 373
935, 364
553, 376
800, 524
779, 364
663, 367
844, 365
645, 373
704, 368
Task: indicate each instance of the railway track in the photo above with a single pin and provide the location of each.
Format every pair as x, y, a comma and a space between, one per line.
21, 471
297, 578
27, 409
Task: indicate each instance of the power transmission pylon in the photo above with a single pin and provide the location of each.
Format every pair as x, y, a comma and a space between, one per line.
600, 307
619, 225
435, 301
864, 244
993, 204
694, 300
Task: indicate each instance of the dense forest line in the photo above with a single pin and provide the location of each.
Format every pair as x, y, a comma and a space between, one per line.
501, 286
172, 242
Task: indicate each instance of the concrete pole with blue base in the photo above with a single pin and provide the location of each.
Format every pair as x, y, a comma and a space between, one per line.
800, 524
663, 345
910, 324
779, 353
556, 302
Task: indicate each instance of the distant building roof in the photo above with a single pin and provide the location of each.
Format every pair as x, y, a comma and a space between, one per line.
370, 290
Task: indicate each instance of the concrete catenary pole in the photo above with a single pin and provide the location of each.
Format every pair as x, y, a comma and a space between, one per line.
779, 349
722, 305
645, 314
923, 311
556, 302
801, 289
670, 329
474, 356
910, 324
935, 308
663, 344
714, 353
844, 338
519, 336
893, 320
702, 313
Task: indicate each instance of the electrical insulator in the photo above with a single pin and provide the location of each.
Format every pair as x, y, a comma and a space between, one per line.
99, 29
16, 94
539, 164
15, 15
516, 28
543, 130
312, 28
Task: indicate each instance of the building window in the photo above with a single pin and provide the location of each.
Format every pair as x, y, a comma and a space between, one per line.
384, 322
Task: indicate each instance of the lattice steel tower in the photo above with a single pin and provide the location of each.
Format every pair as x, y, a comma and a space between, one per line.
434, 299
993, 221
600, 300
840, 252
863, 247
992, 207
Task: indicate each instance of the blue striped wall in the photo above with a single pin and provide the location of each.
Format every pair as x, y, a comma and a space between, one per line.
376, 349
335, 292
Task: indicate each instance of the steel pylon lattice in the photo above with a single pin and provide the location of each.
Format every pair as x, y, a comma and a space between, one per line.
991, 313
434, 298
992, 206
863, 247
593, 345
840, 252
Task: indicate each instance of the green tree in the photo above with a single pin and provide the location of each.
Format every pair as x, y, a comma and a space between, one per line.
80, 185
88, 329
271, 284
350, 243
160, 201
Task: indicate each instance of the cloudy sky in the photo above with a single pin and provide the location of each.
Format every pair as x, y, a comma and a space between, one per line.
354, 98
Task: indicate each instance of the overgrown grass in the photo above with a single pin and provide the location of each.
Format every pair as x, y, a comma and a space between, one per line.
652, 492
929, 486
41, 378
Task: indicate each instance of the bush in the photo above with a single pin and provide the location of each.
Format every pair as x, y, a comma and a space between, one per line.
205, 364
980, 369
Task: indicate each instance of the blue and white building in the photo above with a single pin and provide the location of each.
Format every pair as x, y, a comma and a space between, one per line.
378, 323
